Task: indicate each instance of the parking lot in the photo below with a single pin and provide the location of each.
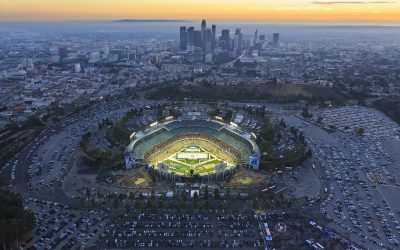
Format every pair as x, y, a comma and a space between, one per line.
361, 176
183, 230
60, 227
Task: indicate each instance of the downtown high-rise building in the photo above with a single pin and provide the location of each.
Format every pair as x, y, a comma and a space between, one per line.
203, 24
183, 38
275, 39
207, 40
63, 53
198, 41
238, 41
224, 39
214, 37
190, 36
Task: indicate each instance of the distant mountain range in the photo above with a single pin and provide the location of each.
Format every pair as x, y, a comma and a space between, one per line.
148, 20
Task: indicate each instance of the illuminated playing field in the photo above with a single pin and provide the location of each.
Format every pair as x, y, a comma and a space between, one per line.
192, 148
192, 158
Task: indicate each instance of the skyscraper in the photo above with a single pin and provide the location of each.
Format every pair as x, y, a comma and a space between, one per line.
214, 35
255, 36
62, 52
238, 41
203, 24
183, 38
224, 39
190, 36
236, 44
207, 39
197, 39
275, 39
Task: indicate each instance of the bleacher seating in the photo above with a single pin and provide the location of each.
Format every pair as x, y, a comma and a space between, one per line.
201, 129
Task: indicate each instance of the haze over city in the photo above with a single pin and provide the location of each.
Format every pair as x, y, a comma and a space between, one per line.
265, 125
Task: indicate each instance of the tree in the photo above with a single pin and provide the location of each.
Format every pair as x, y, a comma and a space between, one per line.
160, 114
305, 113
16, 223
195, 199
206, 192
82, 202
255, 204
277, 203
228, 115
360, 131
127, 208
215, 112
115, 202
216, 194
228, 194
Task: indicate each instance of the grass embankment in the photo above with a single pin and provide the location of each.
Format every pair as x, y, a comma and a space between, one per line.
284, 93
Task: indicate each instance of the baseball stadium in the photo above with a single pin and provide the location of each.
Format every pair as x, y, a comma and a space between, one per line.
194, 148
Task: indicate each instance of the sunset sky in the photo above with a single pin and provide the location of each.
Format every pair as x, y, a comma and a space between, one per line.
296, 11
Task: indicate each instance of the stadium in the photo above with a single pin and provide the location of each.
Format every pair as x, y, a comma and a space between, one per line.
187, 148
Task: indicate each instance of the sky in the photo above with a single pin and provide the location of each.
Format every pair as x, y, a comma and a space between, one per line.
371, 12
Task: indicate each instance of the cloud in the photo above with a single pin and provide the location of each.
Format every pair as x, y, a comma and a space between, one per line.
302, 8
351, 2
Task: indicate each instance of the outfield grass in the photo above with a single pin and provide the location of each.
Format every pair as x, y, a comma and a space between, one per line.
184, 168
181, 167
203, 164
193, 162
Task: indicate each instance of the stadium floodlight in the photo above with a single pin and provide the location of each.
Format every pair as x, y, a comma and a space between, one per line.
218, 118
153, 124
254, 135
233, 124
132, 135
169, 118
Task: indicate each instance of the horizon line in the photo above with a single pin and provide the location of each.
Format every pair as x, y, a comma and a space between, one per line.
339, 23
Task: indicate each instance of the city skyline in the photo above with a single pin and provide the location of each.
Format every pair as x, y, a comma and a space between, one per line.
297, 11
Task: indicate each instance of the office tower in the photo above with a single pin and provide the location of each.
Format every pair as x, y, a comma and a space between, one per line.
224, 39
197, 39
55, 59
275, 39
236, 45
30, 63
208, 58
77, 67
198, 54
207, 40
183, 38
24, 62
239, 41
214, 35
262, 37
94, 57
207, 48
203, 24
62, 52
255, 36
190, 36
106, 50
